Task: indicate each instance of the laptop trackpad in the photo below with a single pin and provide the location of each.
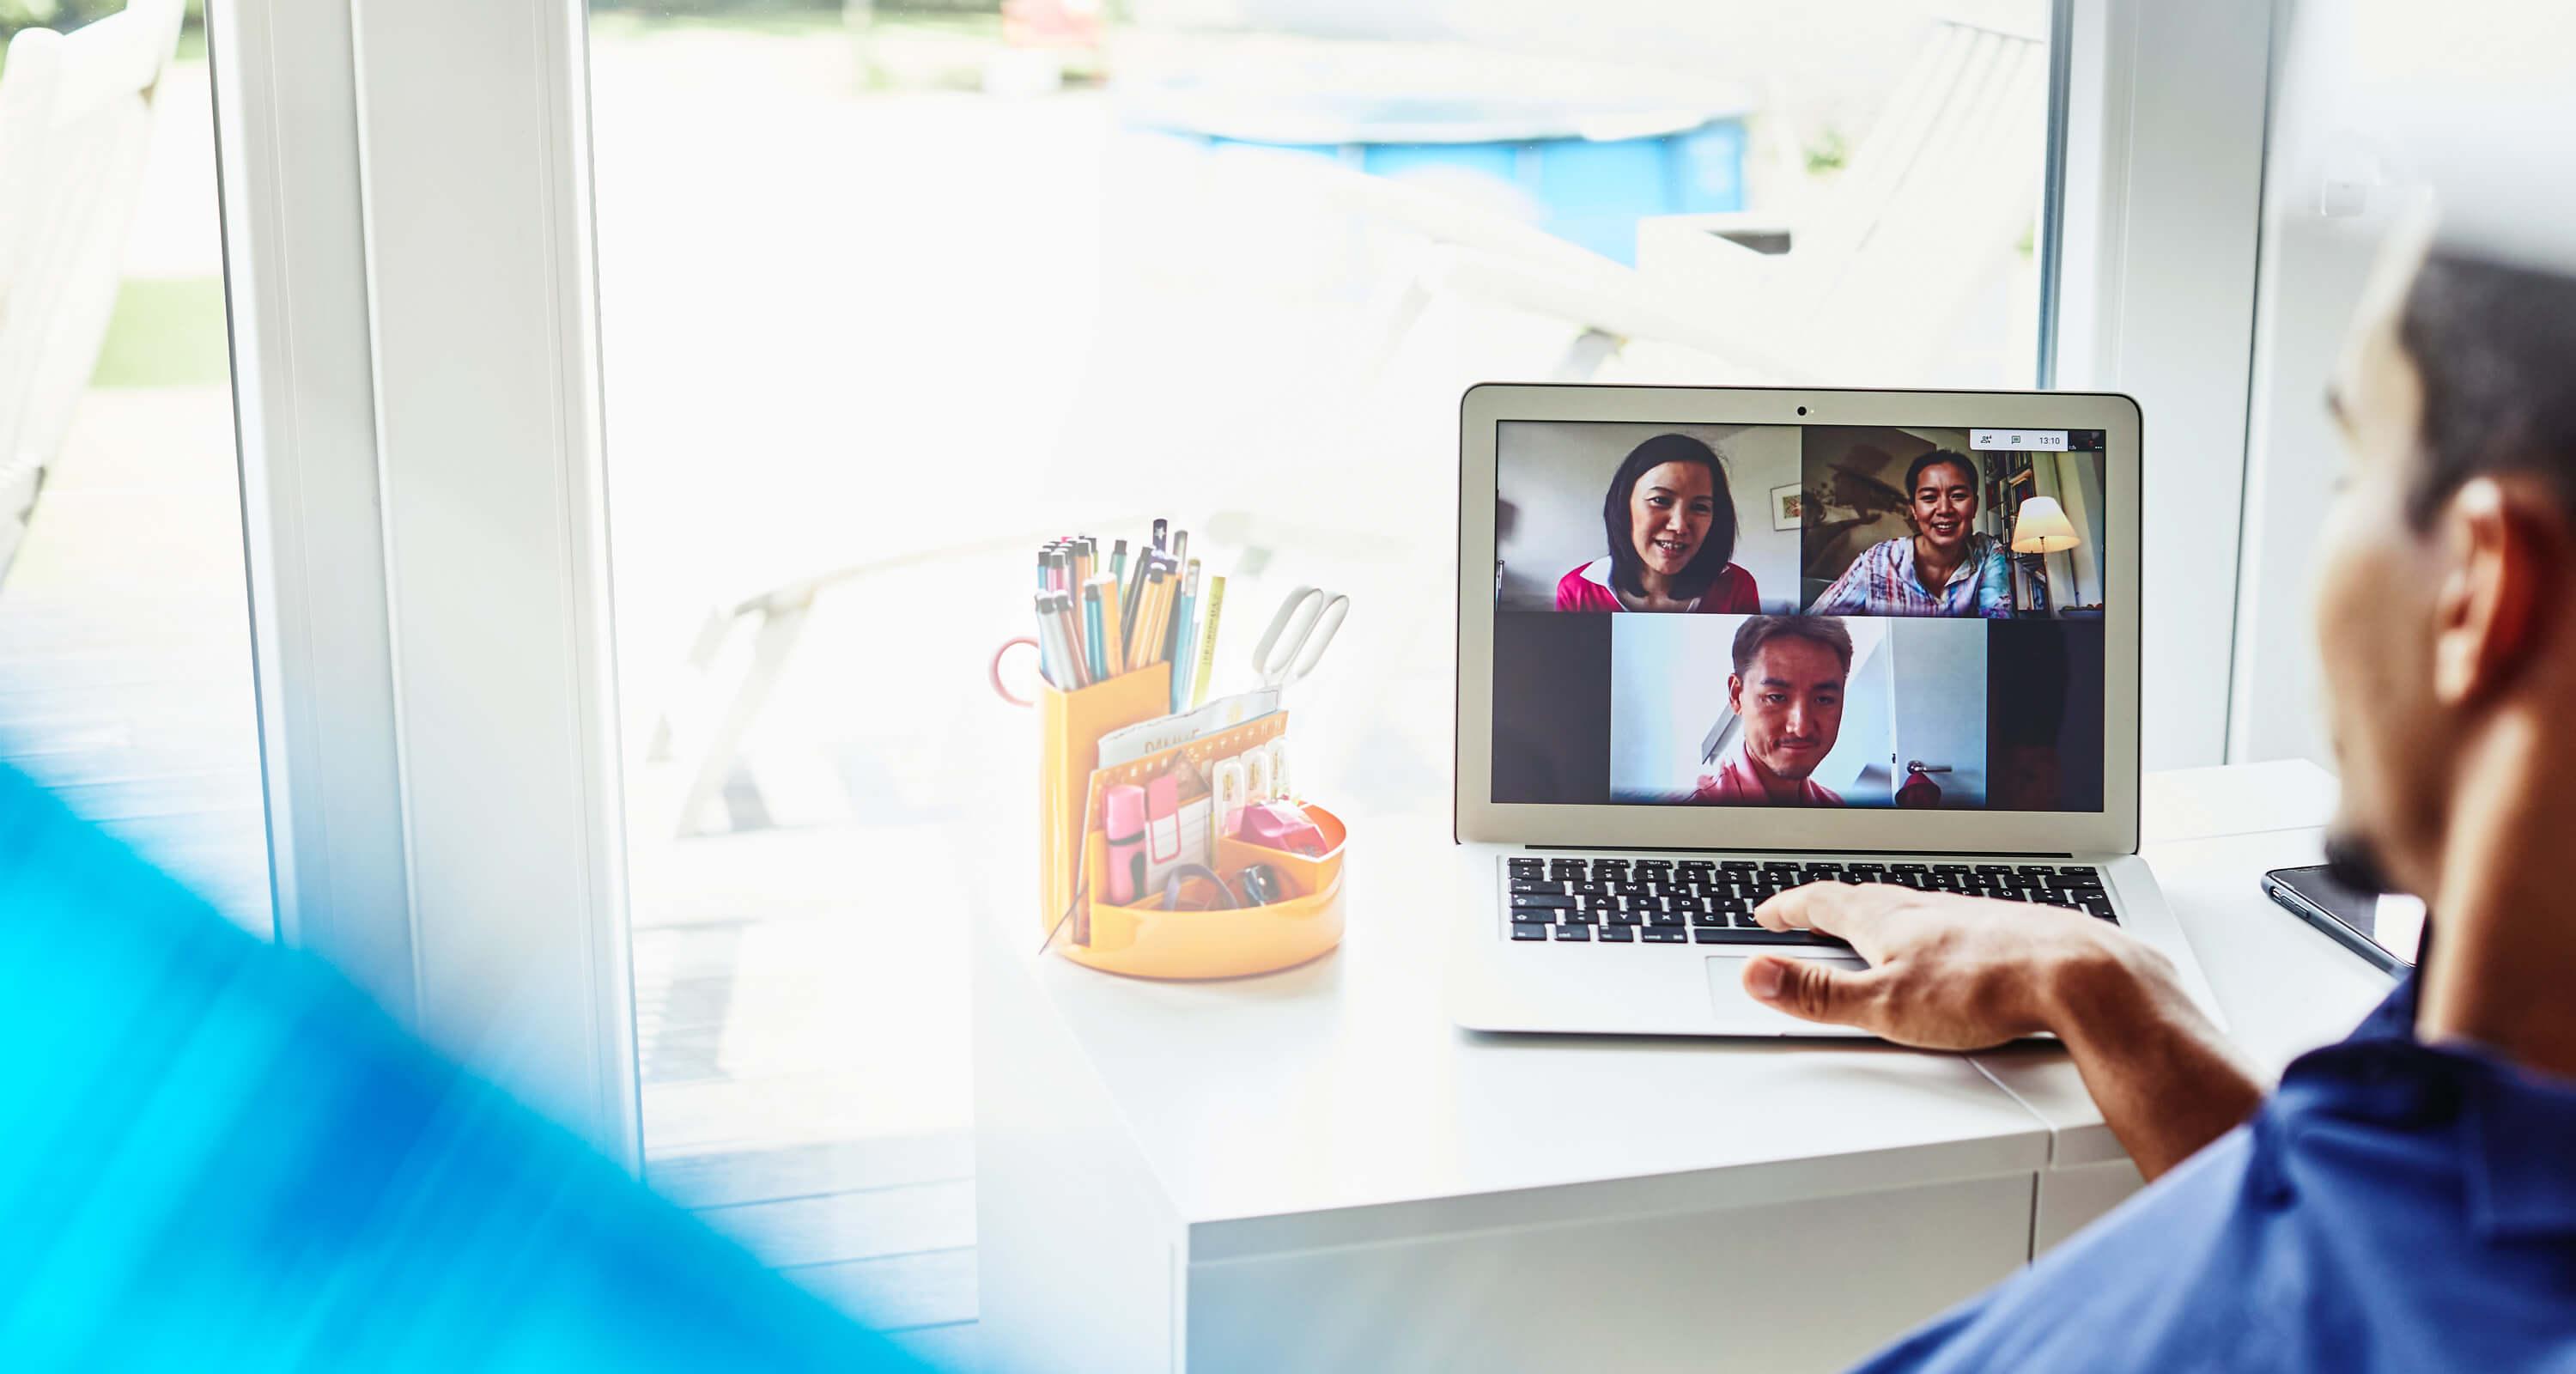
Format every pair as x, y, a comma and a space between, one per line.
1726, 978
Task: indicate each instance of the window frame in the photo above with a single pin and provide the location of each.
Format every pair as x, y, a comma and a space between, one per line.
428, 542
2159, 258
428, 534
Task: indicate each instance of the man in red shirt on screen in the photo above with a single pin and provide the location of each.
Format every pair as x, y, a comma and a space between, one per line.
1787, 692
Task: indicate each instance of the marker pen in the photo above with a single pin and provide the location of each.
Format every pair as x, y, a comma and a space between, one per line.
1124, 808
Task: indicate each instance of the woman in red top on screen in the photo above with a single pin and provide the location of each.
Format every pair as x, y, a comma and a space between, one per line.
1671, 525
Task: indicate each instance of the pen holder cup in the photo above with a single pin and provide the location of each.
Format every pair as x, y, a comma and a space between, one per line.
1147, 942
1071, 724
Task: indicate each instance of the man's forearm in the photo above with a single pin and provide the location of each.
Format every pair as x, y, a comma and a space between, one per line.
2165, 1080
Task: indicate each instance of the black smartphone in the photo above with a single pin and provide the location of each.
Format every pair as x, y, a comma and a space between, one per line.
2384, 930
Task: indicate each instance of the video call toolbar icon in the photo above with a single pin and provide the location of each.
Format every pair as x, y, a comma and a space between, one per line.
2019, 440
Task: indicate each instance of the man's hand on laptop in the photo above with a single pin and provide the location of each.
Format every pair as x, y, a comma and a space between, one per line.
1946, 972
1963, 973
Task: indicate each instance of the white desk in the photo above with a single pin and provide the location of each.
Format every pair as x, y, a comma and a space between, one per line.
1316, 1170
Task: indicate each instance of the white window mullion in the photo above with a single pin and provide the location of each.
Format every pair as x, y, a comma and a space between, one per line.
475, 186
429, 523
287, 153
2167, 102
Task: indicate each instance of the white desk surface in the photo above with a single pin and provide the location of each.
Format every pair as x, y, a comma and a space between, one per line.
1336, 1103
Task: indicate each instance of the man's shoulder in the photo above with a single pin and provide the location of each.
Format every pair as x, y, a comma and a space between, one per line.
2327, 1235
2124, 1294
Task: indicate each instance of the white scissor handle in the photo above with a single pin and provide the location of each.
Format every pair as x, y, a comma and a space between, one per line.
1298, 635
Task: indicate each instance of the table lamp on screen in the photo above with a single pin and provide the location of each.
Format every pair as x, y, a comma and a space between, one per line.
2040, 528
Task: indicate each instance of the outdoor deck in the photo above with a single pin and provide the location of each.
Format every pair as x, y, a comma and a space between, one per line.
801, 1096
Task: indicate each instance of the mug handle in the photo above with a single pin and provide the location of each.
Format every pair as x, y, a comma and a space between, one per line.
995, 670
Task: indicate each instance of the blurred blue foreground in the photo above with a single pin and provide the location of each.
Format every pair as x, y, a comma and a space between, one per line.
215, 1154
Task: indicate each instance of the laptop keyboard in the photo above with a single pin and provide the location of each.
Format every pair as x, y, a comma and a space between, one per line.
1711, 901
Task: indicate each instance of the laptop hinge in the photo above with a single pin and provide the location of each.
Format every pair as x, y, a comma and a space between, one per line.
1807, 849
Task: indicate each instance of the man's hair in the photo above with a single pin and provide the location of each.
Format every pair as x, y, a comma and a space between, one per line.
1626, 568
2496, 349
1762, 629
1914, 471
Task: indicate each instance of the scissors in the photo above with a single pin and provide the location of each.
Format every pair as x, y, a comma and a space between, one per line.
1298, 635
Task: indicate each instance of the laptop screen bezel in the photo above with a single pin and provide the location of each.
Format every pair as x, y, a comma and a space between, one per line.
1480, 819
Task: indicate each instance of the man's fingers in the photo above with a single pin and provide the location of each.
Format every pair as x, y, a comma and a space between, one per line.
1812, 989
1838, 909
1785, 911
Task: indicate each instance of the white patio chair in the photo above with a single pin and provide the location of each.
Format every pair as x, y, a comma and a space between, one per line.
1862, 285
1935, 202
75, 129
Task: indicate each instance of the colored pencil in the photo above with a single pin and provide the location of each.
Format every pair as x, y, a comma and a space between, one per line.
1180, 560
1182, 635
1145, 643
1113, 627
1131, 594
1214, 596
1094, 641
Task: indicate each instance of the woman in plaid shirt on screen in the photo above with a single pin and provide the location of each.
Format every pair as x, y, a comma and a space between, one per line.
1946, 567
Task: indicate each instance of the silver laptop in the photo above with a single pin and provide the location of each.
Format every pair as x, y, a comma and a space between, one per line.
1718, 642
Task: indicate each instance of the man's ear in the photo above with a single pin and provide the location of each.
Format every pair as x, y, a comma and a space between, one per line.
2503, 552
1735, 693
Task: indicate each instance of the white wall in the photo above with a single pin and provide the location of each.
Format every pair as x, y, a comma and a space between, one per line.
1867, 741
1940, 716
2075, 479
1667, 687
1551, 477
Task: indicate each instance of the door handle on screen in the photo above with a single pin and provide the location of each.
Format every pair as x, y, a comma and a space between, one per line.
1919, 791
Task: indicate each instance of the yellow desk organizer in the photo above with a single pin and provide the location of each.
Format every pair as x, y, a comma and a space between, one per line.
1149, 942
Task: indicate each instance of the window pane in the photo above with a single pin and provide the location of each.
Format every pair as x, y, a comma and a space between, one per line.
124, 619
894, 292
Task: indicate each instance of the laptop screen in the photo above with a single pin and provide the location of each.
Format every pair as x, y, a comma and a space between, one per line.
1798, 615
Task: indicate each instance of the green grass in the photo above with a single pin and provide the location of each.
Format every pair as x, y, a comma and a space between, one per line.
771, 23
165, 332
616, 24
192, 42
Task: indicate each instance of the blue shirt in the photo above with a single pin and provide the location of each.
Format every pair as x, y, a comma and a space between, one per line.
216, 1154
2395, 1206
1882, 581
